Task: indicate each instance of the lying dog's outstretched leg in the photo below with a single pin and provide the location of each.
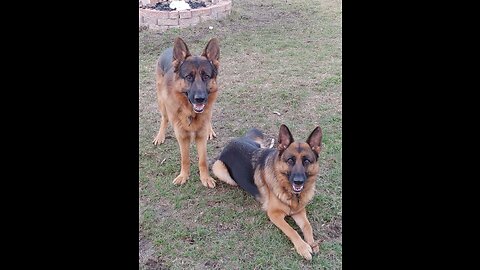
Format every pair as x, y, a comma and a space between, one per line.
302, 222
302, 248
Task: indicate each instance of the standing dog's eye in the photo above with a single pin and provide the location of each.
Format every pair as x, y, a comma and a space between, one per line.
205, 76
291, 161
189, 77
306, 162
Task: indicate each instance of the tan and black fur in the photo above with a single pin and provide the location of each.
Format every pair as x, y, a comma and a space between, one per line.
186, 91
281, 179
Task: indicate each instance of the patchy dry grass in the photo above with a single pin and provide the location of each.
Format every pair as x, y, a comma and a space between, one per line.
283, 56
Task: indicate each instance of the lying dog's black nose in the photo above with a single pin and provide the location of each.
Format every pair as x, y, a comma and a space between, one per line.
298, 180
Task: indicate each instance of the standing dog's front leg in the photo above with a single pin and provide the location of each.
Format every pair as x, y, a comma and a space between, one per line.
184, 143
205, 177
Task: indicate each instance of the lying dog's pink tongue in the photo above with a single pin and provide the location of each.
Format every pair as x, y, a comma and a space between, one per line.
297, 188
198, 108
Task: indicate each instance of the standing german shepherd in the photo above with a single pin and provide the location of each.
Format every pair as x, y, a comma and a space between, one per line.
282, 179
186, 91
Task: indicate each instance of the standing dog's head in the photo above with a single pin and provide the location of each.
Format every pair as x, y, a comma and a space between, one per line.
197, 73
298, 160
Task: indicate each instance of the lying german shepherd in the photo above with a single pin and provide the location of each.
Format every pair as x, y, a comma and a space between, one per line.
186, 91
282, 179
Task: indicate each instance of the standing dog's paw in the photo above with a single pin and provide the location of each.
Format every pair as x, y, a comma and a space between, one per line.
208, 182
159, 139
211, 134
180, 180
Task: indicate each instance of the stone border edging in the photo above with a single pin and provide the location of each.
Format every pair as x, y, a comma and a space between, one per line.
163, 20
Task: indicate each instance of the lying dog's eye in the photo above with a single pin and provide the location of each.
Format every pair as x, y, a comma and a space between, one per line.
306, 162
189, 77
205, 77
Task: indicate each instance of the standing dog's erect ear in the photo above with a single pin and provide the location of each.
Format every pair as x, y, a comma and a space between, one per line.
285, 138
180, 52
212, 52
315, 140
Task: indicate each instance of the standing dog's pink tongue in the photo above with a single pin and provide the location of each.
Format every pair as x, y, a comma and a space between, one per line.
198, 107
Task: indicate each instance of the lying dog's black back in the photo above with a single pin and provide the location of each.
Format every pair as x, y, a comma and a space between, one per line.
238, 155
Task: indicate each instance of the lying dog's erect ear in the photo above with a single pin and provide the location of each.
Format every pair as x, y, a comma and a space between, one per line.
180, 52
315, 140
285, 138
212, 52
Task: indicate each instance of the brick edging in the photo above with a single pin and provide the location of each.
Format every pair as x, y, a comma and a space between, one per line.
162, 20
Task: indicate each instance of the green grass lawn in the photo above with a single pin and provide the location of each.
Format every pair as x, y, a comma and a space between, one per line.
276, 56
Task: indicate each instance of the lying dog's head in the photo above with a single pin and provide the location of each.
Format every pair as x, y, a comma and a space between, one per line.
298, 160
198, 73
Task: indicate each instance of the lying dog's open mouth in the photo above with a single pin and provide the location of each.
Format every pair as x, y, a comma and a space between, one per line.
297, 188
198, 108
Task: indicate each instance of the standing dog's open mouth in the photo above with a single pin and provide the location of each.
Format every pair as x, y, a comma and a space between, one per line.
199, 107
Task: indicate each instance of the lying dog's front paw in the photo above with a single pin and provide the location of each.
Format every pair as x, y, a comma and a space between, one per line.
315, 246
180, 180
305, 250
208, 181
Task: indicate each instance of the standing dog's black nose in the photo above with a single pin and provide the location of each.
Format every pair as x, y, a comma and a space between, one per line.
199, 99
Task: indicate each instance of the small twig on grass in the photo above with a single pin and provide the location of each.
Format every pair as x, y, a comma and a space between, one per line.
271, 143
163, 161
277, 113
317, 243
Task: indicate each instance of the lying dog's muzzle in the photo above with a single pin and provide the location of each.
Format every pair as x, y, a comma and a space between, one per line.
298, 183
